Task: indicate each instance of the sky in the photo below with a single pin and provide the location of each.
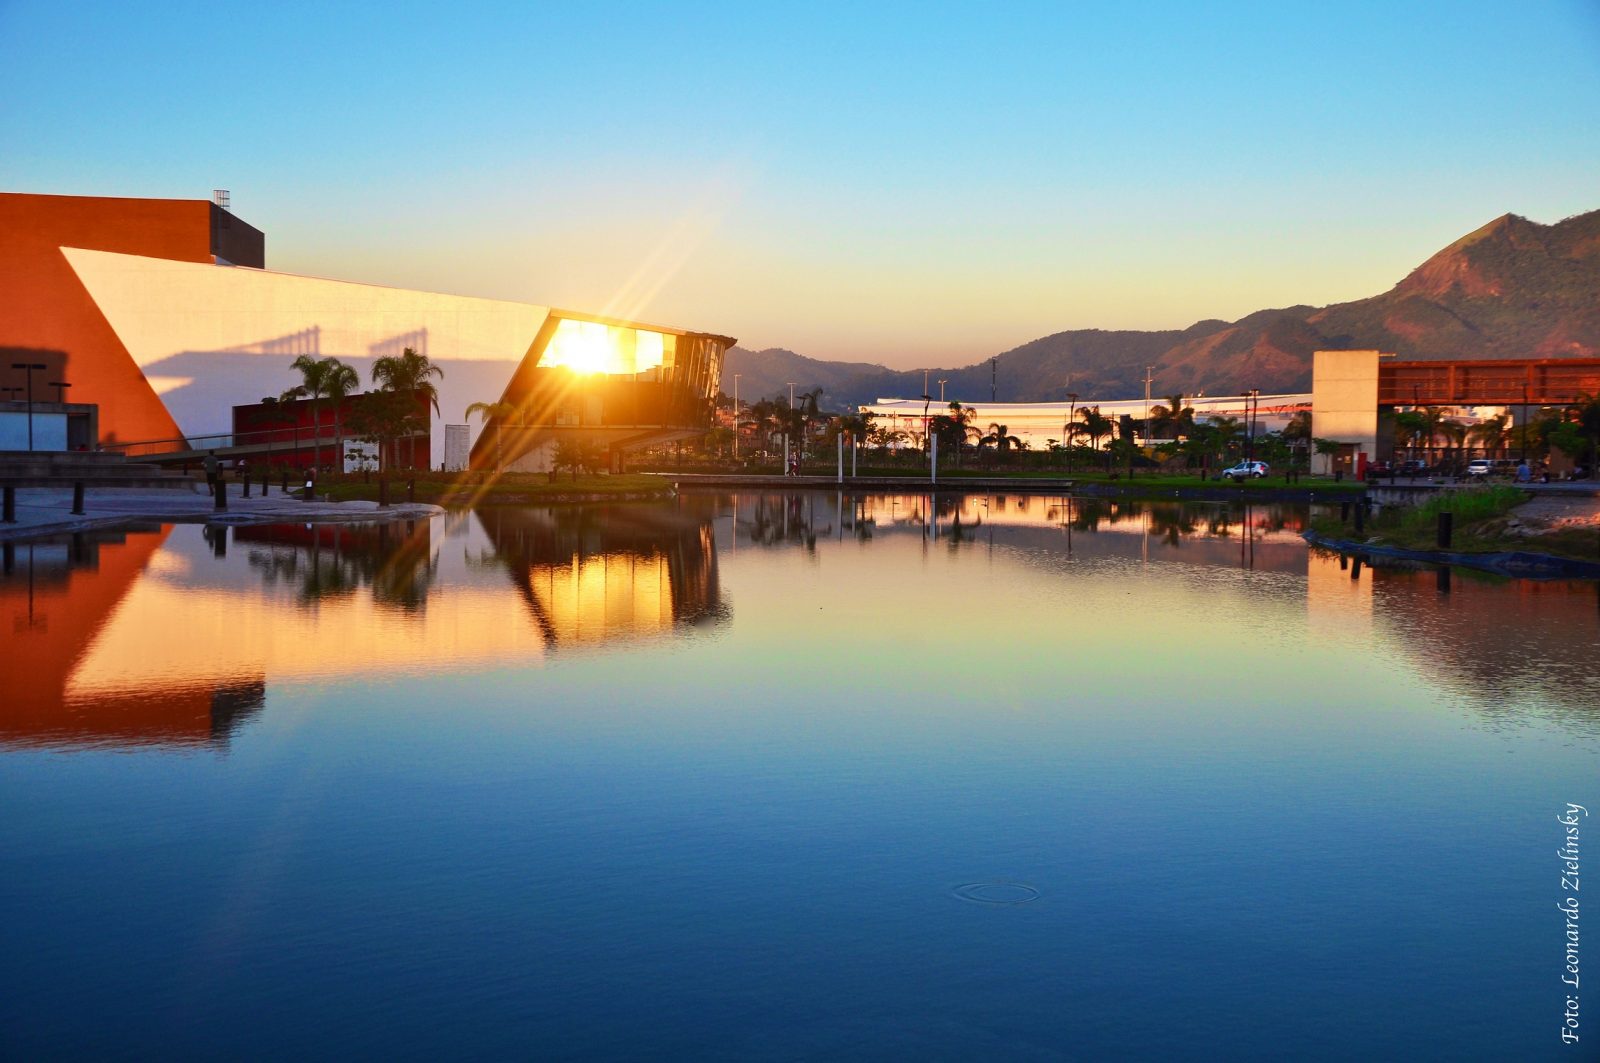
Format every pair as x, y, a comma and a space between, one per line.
908, 184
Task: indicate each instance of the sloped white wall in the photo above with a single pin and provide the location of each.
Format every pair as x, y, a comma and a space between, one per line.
210, 337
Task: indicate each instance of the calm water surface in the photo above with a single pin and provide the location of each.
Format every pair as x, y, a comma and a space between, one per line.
788, 776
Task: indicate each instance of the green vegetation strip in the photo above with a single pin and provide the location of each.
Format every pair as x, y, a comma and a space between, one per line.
1480, 517
1139, 480
469, 489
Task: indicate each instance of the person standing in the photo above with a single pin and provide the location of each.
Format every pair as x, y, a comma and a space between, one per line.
212, 470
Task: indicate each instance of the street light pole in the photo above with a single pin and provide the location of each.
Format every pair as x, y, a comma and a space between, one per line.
941, 391
786, 429
736, 377
29, 367
61, 387
1524, 426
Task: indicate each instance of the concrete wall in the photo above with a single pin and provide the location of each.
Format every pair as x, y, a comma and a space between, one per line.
236, 329
1344, 401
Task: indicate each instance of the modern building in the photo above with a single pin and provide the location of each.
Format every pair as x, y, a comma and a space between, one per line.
1355, 394
161, 313
1039, 424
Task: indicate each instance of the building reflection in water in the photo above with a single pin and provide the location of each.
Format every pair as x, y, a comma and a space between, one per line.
173, 635
57, 596
593, 574
176, 636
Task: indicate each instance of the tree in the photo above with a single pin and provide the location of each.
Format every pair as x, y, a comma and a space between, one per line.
954, 428
1222, 432
322, 379
1001, 439
340, 381
1173, 419
412, 374
386, 417
499, 411
1490, 434
1297, 433
1095, 424
568, 455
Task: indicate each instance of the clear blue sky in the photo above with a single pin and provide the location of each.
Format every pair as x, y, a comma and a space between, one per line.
908, 184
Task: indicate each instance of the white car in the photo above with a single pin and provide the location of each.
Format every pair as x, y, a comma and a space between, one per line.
1245, 470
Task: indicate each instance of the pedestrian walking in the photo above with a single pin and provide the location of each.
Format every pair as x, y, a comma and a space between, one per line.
213, 469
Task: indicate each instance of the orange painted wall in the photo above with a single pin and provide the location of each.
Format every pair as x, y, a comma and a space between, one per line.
47, 316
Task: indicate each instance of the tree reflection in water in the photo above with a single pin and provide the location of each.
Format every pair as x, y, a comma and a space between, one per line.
396, 562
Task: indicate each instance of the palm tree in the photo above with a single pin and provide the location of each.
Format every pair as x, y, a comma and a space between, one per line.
321, 379
1431, 423
340, 381
1001, 439
1095, 424
1490, 434
411, 373
1224, 430
497, 410
1297, 433
1173, 419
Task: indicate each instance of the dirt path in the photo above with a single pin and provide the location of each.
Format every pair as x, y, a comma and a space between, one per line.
1557, 512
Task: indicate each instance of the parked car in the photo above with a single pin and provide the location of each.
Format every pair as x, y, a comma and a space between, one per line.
1379, 469
1482, 468
1245, 470
1412, 468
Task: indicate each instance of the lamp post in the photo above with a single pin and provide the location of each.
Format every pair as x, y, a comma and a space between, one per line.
941, 391
1251, 396
61, 387
786, 429
1524, 426
736, 377
29, 368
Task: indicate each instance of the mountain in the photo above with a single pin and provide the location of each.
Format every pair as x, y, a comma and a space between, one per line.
1512, 289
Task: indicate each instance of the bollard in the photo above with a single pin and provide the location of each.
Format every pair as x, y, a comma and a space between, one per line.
411, 489
1446, 526
311, 489
10, 493
383, 492
77, 498
222, 494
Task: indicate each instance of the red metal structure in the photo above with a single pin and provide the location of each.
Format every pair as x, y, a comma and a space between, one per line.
1501, 382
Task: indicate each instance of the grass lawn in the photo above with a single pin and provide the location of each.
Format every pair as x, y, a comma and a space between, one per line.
510, 488
1141, 478
1480, 518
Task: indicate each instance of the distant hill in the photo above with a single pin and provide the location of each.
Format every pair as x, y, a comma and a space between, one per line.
1512, 289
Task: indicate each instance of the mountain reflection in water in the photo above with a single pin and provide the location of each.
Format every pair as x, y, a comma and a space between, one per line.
175, 636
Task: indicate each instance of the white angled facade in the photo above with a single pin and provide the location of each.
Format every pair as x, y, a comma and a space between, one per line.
208, 337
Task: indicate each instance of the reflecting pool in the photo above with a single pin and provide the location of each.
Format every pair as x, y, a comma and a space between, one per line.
786, 775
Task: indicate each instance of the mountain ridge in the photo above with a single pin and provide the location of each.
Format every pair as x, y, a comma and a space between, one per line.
1512, 288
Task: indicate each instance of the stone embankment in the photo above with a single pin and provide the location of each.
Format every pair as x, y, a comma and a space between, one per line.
48, 510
